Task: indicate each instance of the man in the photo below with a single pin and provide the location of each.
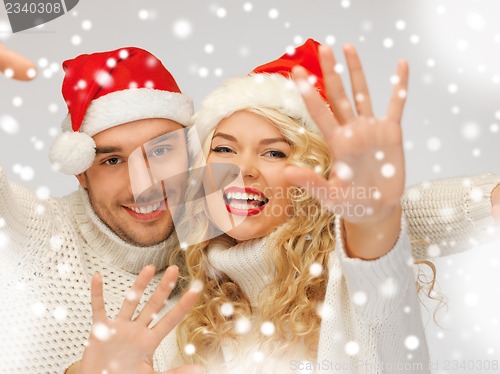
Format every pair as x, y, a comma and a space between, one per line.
50, 248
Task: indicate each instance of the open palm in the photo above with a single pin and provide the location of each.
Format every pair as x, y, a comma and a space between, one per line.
367, 173
126, 344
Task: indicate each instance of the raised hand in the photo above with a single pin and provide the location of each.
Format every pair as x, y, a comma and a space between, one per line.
16, 66
366, 179
126, 344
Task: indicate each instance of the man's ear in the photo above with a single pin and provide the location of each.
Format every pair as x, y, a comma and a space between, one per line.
82, 179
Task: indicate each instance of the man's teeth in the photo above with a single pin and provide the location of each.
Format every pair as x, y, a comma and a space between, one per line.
244, 196
146, 209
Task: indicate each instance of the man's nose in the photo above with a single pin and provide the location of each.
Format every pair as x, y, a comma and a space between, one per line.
142, 181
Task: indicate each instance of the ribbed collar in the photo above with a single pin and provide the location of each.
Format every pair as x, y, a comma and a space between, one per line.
245, 263
110, 248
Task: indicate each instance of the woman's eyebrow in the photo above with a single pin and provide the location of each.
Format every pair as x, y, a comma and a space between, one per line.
225, 136
263, 141
273, 140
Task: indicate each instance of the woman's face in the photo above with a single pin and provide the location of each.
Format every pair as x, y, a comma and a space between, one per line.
255, 204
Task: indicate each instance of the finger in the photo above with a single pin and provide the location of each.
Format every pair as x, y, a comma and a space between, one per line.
187, 369
316, 106
16, 66
398, 97
97, 299
178, 312
321, 189
159, 296
335, 91
359, 86
135, 293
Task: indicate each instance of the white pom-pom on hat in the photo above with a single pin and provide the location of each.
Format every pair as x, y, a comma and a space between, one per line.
73, 152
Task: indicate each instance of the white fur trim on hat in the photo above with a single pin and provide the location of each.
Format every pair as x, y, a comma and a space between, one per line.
124, 106
72, 152
258, 90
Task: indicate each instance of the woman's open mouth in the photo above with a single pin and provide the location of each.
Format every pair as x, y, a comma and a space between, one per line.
244, 201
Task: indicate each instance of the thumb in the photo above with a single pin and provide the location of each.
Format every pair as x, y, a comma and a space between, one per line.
320, 188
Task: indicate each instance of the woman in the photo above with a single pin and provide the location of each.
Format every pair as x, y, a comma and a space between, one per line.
282, 271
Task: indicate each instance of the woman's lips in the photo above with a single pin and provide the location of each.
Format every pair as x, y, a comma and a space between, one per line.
244, 201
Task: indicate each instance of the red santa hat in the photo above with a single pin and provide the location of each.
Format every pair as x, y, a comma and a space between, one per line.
267, 86
107, 89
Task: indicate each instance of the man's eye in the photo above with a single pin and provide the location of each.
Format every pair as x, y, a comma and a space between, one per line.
159, 151
113, 161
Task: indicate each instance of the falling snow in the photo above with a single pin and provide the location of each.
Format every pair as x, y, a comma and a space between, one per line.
454, 80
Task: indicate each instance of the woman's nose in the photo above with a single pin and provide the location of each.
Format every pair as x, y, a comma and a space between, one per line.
248, 166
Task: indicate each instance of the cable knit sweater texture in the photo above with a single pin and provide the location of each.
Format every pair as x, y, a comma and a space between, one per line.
366, 336
49, 249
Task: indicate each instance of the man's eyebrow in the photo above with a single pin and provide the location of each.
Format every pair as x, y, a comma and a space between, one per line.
167, 136
103, 150
156, 139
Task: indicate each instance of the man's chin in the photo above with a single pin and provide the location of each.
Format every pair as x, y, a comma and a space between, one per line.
144, 241
147, 236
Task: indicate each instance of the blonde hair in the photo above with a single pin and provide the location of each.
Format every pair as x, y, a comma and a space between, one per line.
306, 238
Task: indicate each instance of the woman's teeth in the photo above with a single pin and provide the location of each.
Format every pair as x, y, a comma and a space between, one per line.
146, 209
244, 200
244, 196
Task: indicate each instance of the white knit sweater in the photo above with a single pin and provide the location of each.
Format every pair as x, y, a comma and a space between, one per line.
49, 250
355, 337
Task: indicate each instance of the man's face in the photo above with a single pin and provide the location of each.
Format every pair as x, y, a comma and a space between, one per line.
143, 219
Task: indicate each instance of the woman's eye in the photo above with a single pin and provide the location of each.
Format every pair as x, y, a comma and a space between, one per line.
222, 149
113, 161
276, 154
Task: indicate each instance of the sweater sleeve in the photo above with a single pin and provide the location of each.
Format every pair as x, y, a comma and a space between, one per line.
17, 204
371, 318
27, 222
450, 215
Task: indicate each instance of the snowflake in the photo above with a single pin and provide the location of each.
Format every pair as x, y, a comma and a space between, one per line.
101, 332
190, 349
316, 269
412, 342
243, 325
9, 124
351, 348
267, 328
227, 309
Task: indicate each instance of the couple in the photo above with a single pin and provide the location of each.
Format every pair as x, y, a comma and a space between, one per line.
257, 124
